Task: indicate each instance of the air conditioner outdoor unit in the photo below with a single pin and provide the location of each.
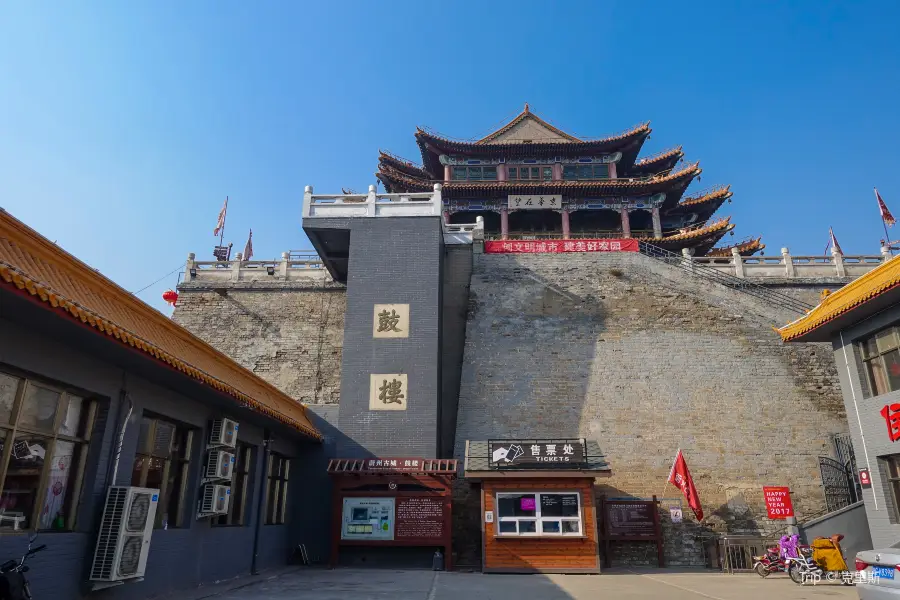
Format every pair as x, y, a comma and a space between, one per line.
215, 499
219, 464
125, 530
223, 433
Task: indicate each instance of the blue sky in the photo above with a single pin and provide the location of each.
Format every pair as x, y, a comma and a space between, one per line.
124, 125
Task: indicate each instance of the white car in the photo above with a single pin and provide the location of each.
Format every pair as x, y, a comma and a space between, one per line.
882, 574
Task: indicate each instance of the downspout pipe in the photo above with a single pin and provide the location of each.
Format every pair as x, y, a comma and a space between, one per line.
260, 499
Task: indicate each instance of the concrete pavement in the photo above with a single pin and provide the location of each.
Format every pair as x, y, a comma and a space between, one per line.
618, 584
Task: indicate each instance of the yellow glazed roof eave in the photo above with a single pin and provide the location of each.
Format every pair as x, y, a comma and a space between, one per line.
32, 265
851, 296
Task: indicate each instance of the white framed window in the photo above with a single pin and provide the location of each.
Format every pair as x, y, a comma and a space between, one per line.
540, 514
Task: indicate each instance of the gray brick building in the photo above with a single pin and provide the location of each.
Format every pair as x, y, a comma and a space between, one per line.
861, 322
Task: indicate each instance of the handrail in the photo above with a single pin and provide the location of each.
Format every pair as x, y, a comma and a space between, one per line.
761, 292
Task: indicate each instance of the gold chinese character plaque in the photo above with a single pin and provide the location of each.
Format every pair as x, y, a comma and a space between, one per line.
391, 321
388, 392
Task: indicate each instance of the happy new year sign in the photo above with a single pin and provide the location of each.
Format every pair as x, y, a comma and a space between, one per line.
778, 502
559, 246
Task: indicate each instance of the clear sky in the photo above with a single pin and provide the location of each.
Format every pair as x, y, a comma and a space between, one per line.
123, 125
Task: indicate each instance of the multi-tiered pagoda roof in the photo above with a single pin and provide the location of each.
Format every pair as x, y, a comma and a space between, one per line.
606, 190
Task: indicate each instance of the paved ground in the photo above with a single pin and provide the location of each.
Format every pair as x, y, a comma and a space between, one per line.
618, 584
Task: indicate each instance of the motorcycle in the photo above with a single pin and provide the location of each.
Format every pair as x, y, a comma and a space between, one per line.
823, 559
13, 585
770, 562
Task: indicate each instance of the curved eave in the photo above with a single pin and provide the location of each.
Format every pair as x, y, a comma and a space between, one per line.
404, 166
618, 143
852, 303
11, 276
704, 206
661, 163
674, 183
694, 237
744, 249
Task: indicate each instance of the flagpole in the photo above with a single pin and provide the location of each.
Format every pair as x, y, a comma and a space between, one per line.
887, 238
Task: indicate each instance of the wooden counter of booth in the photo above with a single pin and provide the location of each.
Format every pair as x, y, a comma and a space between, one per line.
537, 517
391, 502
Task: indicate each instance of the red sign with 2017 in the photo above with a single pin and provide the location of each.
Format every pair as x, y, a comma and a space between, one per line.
556, 246
778, 502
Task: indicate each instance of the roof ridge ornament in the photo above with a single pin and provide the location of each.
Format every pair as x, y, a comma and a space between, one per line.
526, 111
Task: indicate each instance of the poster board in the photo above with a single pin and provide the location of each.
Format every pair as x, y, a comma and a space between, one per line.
630, 521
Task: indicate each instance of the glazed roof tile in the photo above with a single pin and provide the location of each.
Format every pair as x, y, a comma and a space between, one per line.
32, 265
394, 178
744, 248
854, 295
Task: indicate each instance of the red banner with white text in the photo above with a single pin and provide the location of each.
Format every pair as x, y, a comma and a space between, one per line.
553, 246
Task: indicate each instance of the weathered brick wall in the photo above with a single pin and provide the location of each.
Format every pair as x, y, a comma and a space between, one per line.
646, 359
290, 333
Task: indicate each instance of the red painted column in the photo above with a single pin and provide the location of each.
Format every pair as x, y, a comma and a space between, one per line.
447, 217
612, 171
504, 223
626, 223
557, 172
501, 172
565, 223
446, 173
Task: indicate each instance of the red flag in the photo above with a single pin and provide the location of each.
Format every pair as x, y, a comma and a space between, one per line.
886, 215
680, 477
833, 242
248, 249
220, 224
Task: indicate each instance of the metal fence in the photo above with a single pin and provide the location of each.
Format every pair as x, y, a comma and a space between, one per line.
736, 552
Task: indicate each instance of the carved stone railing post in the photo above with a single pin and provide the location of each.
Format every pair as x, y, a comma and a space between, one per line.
687, 253
283, 265
886, 253
370, 202
838, 259
236, 267
738, 261
789, 270
189, 266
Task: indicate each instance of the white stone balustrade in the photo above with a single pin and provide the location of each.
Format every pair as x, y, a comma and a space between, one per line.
286, 269
373, 204
794, 267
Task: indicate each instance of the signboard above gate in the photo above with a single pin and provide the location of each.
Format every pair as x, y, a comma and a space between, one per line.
535, 202
537, 454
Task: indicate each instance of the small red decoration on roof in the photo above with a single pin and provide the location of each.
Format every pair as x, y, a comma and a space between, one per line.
170, 296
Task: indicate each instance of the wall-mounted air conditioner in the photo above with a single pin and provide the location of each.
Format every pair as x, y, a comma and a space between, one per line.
219, 464
223, 433
215, 499
125, 530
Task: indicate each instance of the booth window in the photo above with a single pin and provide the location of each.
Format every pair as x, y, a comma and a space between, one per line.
276, 488
239, 487
44, 435
539, 513
161, 461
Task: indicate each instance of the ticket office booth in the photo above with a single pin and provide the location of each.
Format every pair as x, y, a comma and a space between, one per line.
391, 512
537, 504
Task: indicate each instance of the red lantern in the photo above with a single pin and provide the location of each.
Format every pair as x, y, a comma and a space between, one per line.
170, 296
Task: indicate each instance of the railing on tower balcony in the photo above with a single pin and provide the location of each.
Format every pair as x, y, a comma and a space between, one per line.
373, 204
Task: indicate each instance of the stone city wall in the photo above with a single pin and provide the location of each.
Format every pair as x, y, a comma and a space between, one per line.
646, 359
289, 332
